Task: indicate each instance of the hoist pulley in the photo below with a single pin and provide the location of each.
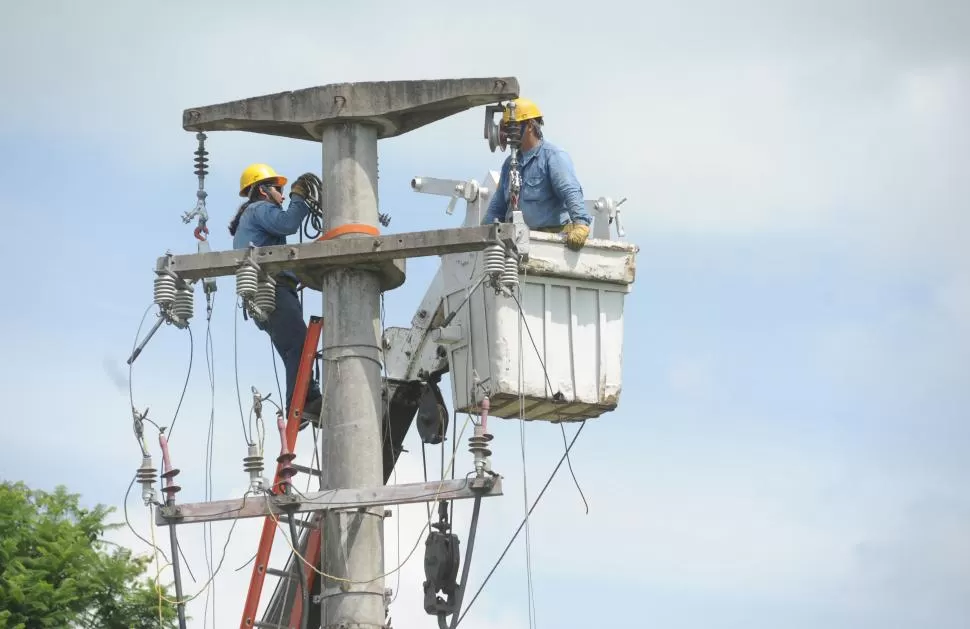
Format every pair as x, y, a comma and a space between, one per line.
442, 557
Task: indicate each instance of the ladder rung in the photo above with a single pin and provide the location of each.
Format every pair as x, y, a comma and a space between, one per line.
306, 470
280, 573
308, 356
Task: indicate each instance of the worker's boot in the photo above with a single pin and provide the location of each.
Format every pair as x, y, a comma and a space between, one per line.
311, 412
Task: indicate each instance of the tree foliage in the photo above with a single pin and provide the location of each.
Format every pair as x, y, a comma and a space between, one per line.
56, 569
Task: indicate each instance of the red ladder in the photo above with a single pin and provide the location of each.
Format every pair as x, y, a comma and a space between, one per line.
260, 570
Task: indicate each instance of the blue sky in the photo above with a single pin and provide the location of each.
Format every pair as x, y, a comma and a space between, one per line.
790, 445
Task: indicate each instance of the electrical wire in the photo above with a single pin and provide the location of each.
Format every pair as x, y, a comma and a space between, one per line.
315, 216
124, 506
131, 402
235, 359
312, 220
134, 344
530, 592
386, 403
386, 399
143, 444
276, 373
545, 373
205, 586
185, 387
208, 547
516, 534
432, 498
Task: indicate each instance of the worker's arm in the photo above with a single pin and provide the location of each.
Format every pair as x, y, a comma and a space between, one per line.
497, 205
278, 221
567, 187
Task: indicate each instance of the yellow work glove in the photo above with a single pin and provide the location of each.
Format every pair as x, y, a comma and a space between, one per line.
298, 188
306, 185
576, 235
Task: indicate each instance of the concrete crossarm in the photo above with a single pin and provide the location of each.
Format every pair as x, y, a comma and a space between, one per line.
330, 500
345, 251
395, 107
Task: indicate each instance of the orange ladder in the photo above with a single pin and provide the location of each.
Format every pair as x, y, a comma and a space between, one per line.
260, 570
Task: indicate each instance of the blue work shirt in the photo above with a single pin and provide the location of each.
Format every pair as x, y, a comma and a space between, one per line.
264, 223
551, 194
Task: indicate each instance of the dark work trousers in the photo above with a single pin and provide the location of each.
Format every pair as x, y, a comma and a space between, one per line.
287, 330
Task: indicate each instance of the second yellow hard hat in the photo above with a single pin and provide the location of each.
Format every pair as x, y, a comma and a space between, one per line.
259, 173
525, 109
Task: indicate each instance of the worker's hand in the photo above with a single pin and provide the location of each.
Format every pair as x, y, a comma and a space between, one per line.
298, 188
576, 235
307, 185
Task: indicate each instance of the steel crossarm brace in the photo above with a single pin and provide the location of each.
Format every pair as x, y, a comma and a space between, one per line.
329, 500
347, 251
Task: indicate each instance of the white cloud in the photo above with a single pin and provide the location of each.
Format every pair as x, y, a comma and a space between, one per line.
836, 126
745, 120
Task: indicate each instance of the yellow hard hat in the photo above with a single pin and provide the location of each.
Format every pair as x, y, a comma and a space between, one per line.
524, 110
259, 173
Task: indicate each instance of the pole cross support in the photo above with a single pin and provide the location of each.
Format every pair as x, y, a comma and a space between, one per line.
332, 500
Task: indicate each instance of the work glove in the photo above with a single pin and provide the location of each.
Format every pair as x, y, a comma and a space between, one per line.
576, 235
307, 186
298, 188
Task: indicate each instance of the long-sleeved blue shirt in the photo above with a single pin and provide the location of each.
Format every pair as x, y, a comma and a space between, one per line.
551, 194
264, 223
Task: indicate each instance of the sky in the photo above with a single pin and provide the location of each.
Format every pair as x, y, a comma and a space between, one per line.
790, 445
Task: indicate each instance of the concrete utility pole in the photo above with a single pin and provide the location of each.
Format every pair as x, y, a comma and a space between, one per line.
352, 455
348, 120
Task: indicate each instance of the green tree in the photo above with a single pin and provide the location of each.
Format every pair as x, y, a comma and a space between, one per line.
57, 571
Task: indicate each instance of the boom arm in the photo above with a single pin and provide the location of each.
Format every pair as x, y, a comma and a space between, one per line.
410, 353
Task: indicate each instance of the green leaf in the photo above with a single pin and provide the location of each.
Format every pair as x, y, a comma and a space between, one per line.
57, 571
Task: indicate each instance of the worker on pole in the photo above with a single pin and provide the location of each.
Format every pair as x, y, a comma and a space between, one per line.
551, 197
262, 221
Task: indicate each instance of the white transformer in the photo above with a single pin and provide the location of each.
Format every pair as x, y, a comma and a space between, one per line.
547, 347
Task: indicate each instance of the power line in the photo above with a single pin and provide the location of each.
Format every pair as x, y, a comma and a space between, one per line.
185, 386
545, 373
208, 548
530, 592
518, 530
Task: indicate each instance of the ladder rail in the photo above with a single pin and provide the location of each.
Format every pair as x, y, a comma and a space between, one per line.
307, 358
404, 399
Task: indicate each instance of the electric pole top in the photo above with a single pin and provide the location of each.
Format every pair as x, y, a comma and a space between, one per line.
377, 382
348, 119
394, 107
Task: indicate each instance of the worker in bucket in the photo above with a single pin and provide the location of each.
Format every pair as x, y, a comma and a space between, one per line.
550, 197
262, 221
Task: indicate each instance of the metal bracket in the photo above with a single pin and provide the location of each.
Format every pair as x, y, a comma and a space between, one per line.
170, 512
606, 213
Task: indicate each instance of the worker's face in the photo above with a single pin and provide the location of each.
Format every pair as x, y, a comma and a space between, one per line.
274, 193
529, 137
